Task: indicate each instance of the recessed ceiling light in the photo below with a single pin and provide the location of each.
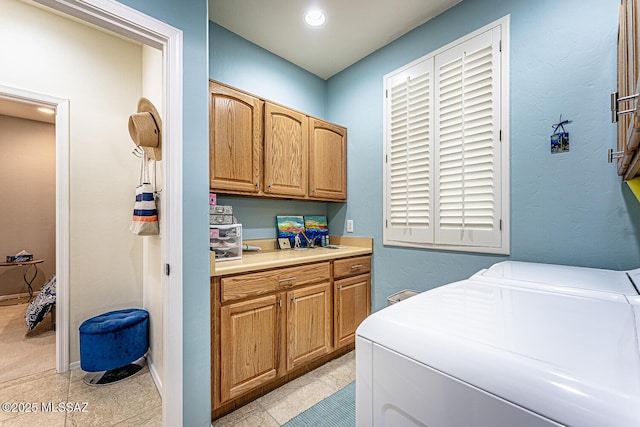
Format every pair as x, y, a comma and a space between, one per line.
46, 110
315, 17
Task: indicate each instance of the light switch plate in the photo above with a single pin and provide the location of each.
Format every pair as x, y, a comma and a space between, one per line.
349, 226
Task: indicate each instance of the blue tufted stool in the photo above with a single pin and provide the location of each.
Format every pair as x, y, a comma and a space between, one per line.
113, 345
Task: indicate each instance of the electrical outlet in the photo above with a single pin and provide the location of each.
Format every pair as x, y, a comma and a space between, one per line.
349, 226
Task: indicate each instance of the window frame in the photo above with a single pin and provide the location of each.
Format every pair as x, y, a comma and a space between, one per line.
415, 238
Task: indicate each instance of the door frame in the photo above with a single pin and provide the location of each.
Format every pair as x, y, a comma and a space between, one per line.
128, 22
61, 106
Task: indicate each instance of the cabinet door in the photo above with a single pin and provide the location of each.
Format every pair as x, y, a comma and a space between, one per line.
235, 140
352, 302
327, 161
308, 324
285, 151
249, 338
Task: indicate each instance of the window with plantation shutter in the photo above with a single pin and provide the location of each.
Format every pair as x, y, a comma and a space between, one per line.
409, 145
447, 147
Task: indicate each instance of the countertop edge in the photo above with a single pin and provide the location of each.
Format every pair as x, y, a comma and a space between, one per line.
265, 260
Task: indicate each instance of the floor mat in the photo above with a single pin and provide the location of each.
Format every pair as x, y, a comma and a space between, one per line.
337, 410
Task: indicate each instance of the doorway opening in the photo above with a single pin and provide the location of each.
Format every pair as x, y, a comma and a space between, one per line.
27, 274
127, 22
23, 99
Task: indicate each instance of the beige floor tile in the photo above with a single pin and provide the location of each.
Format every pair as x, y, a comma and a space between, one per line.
27, 378
338, 373
49, 419
252, 414
47, 388
152, 418
290, 399
113, 403
23, 379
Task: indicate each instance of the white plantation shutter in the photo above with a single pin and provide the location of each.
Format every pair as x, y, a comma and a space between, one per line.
408, 195
468, 153
446, 169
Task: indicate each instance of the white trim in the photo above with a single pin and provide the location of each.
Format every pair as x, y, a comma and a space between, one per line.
131, 23
154, 374
414, 240
62, 212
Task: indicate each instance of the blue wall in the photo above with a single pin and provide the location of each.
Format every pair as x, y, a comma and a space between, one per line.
568, 208
190, 16
244, 65
565, 208
241, 64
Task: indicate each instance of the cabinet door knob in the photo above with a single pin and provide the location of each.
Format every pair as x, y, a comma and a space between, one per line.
257, 184
270, 185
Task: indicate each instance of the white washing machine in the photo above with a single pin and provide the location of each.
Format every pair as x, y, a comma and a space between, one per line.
518, 344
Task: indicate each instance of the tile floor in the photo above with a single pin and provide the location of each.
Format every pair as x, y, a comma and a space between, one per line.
28, 378
132, 402
136, 401
284, 403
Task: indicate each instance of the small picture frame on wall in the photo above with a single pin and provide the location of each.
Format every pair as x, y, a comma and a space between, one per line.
560, 142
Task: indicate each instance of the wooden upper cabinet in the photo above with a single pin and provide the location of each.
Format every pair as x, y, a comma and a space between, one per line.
258, 148
235, 140
327, 161
285, 151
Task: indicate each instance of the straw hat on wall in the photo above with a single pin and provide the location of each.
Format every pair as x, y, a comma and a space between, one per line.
145, 128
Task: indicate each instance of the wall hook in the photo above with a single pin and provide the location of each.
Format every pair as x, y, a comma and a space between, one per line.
560, 125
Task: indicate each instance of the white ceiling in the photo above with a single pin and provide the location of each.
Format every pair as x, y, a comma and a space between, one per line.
24, 110
354, 28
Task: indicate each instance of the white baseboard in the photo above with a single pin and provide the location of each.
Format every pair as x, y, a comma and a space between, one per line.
74, 365
154, 375
16, 296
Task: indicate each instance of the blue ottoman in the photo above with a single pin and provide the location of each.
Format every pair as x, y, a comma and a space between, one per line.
110, 343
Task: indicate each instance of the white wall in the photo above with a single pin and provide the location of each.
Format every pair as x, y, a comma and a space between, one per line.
27, 199
101, 76
152, 254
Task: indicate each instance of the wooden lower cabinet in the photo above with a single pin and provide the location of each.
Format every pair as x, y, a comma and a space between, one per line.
308, 324
268, 327
352, 304
250, 335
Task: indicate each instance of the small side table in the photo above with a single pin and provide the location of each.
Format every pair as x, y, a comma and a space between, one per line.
29, 265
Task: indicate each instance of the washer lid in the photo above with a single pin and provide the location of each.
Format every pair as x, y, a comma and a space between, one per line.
571, 358
516, 273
